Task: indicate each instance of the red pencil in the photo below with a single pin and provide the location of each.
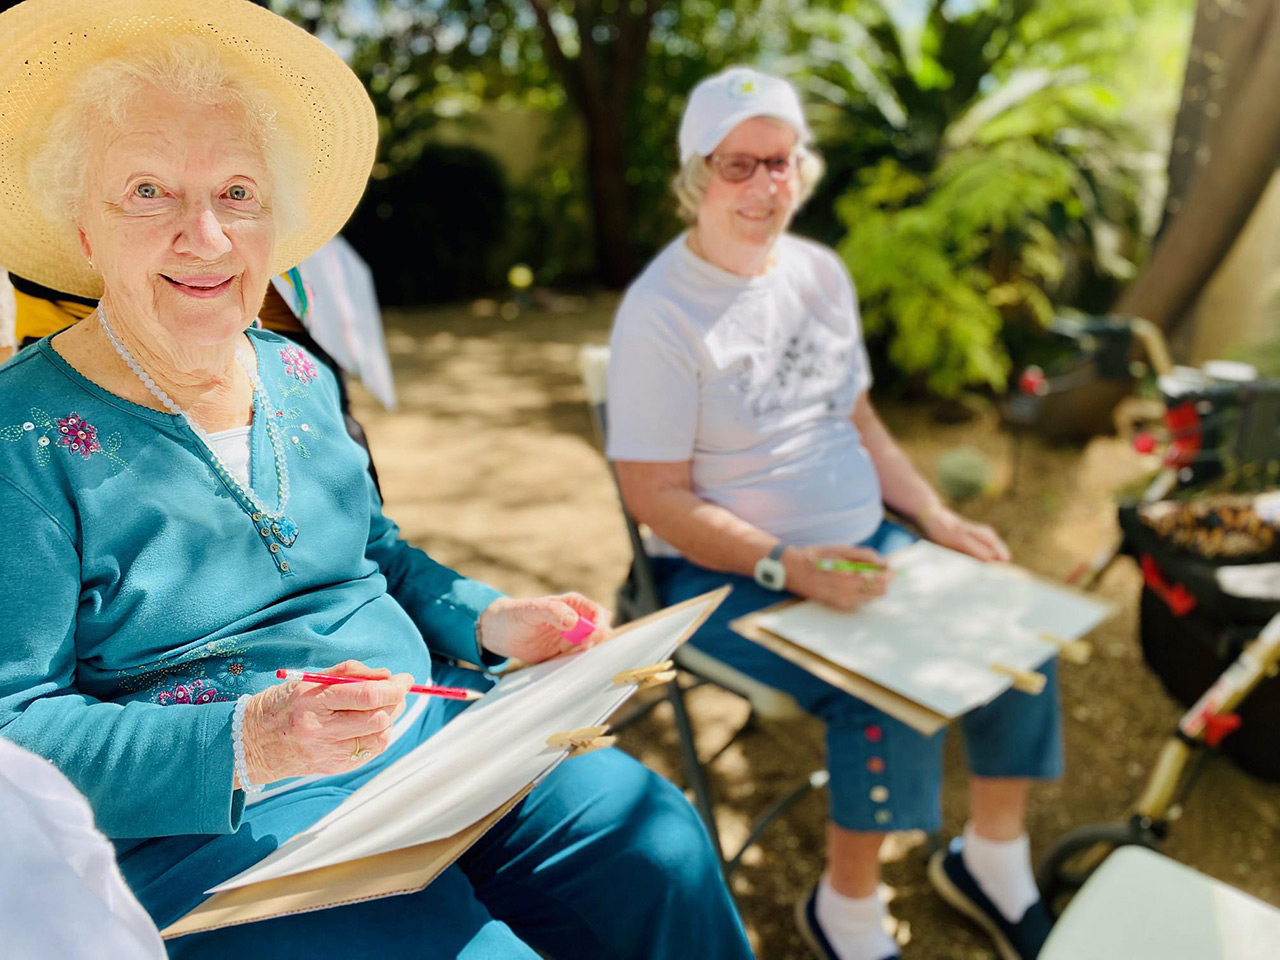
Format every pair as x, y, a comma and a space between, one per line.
449, 693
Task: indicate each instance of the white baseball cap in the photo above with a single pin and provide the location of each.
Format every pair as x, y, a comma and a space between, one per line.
720, 103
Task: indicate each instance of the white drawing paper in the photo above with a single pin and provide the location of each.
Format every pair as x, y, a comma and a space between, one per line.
944, 620
482, 758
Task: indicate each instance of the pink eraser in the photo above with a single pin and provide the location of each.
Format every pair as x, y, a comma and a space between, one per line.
579, 631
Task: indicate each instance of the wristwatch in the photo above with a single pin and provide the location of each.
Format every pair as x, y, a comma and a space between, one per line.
770, 573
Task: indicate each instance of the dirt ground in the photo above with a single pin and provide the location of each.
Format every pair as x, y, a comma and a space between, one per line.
490, 465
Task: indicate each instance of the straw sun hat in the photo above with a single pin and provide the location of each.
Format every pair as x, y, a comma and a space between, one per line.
49, 44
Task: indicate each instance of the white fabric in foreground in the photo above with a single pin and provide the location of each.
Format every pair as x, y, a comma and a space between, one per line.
61, 893
483, 758
1140, 905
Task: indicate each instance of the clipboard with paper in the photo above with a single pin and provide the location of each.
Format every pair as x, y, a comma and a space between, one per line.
399, 831
951, 633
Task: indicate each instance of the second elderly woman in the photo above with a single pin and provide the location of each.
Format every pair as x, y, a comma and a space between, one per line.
744, 436
184, 512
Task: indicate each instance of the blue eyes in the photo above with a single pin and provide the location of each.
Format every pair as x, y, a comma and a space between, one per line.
149, 191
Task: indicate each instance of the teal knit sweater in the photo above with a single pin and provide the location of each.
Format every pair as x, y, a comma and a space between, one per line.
141, 599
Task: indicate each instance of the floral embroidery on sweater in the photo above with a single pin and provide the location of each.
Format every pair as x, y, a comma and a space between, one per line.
197, 692
72, 433
293, 430
298, 365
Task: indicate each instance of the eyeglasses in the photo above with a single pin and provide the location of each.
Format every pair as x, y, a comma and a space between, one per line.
737, 167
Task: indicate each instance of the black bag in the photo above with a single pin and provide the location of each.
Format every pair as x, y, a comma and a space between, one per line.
1191, 632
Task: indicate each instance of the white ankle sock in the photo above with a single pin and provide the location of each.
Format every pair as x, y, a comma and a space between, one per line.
1003, 871
854, 926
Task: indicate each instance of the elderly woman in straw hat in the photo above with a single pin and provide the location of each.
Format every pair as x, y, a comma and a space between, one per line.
184, 512
744, 437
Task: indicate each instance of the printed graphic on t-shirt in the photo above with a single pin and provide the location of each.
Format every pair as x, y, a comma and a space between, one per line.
806, 365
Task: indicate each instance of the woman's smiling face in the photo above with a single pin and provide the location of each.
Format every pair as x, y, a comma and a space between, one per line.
755, 211
178, 217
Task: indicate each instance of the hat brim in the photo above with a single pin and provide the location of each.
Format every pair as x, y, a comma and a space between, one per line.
49, 44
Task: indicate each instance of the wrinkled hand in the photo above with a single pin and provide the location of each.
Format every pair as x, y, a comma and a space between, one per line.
294, 729
531, 629
838, 589
948, 529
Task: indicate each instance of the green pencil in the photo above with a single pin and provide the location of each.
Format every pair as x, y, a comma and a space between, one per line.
849, 566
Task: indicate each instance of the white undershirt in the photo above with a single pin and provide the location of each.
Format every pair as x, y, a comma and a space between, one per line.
233, 447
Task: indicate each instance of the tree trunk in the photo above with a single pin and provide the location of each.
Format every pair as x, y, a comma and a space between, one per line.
1236, 160
610, 199
600, 81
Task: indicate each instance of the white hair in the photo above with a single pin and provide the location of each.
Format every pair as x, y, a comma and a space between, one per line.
690, 183
189, 68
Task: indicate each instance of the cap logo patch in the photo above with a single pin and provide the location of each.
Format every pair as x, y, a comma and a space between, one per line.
744, 88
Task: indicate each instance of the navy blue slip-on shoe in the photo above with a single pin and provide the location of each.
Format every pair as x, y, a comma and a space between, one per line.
956, 885
807, 921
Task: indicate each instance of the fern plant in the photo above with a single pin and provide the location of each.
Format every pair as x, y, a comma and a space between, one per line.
983, 172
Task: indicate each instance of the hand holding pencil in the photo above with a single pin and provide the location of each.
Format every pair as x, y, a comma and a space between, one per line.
836, 575
297, 729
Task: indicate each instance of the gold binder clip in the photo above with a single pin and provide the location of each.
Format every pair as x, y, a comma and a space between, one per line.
582, 740
652, 675
1028, 681
1077, 651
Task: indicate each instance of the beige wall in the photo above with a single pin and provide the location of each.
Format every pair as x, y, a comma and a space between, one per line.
1241, 304
513, 136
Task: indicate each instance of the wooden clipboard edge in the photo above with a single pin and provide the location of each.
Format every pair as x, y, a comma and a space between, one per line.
369, 878
915, 715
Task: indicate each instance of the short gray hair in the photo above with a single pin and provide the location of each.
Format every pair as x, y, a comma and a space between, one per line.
192, 69
690, 184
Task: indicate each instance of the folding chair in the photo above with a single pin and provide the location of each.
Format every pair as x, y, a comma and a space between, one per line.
637, 597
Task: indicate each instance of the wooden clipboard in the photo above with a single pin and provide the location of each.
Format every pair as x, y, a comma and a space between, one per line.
399, 871
369, 878
896, 705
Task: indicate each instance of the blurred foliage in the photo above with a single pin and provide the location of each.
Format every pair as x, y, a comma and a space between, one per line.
440, 250
989, 161
982, 169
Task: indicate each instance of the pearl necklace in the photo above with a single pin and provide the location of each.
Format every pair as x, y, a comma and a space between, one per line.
275, 525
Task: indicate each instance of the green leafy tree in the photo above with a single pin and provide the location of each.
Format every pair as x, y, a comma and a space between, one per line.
982, 171
617, 70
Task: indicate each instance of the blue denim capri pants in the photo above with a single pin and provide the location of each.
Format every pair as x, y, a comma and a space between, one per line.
884, 774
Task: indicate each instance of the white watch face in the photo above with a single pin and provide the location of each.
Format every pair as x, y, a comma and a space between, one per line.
770, 573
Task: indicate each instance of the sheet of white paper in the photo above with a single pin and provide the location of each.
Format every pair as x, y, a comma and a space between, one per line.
944, 620
481, 759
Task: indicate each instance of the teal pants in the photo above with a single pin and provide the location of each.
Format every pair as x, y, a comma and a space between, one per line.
604, 859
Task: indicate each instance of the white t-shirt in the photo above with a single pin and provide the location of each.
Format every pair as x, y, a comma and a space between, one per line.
754, 380
61, 893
